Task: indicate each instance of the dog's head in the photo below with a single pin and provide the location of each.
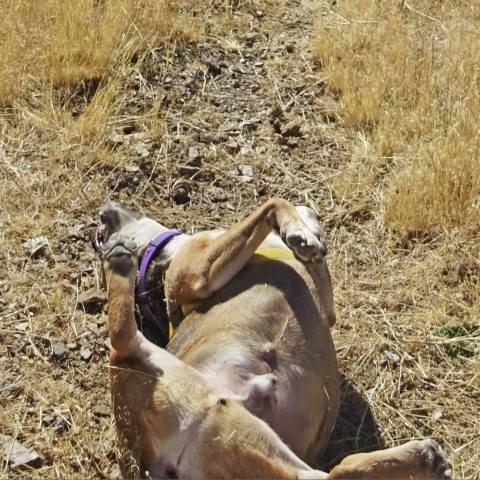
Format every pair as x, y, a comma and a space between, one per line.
113, 218
116, 218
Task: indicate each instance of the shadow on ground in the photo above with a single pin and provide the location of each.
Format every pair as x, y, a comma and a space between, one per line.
355, 430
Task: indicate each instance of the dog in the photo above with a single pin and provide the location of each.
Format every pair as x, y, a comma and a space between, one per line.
248, 384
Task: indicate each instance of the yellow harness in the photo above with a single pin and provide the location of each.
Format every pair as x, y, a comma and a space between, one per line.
275, 253
272, 253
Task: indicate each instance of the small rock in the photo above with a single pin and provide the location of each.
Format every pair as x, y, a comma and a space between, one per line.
18, 456
232, 147
250, 123
191, 84
392, 358
216, 194
290, 129
7, 387
93, 327
116, 139
85, 354
251, 36
244, 173
58, 350
72, 346
92, 300
94, 449
203, 138
194, 157
293, 142
22, 326
86, 335
36, 246
140, 137
142, 151
101, 411
246, 170
56, 422
213, 68
437, 415
187, 170
258, 64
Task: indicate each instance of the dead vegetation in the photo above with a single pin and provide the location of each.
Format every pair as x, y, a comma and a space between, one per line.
408, 79
105, 99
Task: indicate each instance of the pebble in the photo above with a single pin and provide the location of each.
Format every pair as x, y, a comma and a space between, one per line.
36, 246
58, 349
232, 147
290, 129
92, 300
194, 157
85, 354
18, 456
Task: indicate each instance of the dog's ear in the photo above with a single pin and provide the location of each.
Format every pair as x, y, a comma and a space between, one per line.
115, 216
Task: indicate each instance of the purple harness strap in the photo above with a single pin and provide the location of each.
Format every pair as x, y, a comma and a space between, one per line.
141, 288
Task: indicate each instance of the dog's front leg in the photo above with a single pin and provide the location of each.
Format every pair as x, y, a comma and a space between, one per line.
120, 272
209, 261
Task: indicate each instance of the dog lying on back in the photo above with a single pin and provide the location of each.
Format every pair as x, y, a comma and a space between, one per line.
248, 385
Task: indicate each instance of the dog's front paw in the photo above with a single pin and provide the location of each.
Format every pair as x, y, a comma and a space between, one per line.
305, 245
433, 461
120, 250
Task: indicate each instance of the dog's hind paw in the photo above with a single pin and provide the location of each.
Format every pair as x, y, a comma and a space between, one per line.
306, 246
120, 249
434, 461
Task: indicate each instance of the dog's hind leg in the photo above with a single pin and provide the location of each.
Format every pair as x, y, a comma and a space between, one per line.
319, 271
210, 260
421, 460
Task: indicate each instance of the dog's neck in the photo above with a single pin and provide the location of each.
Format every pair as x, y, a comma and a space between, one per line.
154, 317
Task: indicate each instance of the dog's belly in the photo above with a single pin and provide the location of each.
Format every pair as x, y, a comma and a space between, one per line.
265, 339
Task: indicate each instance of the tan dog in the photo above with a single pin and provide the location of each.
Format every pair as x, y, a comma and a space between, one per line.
248, 387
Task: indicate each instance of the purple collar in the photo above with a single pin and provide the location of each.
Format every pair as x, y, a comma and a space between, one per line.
141, 290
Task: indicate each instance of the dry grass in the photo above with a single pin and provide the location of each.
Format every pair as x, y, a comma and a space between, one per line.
395, 182
408, 78
66, 43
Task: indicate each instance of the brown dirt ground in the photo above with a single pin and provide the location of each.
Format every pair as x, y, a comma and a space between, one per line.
228, 98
